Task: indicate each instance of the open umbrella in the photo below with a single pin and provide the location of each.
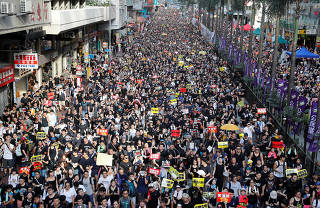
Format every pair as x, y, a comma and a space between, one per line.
257, 31
229, 127
247, 27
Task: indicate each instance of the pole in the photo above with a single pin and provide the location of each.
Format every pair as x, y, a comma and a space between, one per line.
109, 32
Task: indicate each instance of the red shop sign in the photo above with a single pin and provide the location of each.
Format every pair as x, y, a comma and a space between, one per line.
6, 75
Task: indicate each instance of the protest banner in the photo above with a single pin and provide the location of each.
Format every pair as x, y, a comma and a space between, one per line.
302, 173
175, 133
223, 197
205, 205
154, 156
25, 170
139, 81
198, 182
183, 89
155, 110
154, 171
104, 159
41, 135
103, 132
291, 171
173, 172
166, 183
261, 111
36, 158
212, 129
223, 145
277, 144
202, 52
50, 95
180, 63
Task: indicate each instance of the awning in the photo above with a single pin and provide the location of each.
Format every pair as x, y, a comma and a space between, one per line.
304, 53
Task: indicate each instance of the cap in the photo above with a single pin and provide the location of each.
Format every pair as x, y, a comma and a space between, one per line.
178, 186
150, 185
317, 183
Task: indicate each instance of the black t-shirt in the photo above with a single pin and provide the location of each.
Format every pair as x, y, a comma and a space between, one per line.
49, 200
85, 162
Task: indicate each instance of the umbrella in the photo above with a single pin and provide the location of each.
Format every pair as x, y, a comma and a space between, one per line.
257, 31
247, 27
229, 127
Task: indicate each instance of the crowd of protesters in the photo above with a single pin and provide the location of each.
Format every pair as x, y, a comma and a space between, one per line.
160, 84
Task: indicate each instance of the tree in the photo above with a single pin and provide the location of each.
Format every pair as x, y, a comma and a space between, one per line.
294, 46
276, 8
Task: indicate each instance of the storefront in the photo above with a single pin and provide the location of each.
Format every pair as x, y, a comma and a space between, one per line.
6, 86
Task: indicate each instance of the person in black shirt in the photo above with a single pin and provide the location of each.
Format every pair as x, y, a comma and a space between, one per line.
51, 196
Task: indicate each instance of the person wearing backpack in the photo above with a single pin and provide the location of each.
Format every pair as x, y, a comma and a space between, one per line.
279, 167
125, 200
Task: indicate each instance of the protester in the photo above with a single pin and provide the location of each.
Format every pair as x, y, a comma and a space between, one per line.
157, 109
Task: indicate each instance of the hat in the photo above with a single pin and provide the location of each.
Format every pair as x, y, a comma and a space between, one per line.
178, 186
250, 162
317, 183
150, 185
185, 195
273, 195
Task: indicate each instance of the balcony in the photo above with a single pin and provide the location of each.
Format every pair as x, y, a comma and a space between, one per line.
62, 20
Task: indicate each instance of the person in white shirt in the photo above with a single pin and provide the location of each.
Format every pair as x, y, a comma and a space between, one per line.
249, 130
106, 178
52, 119
69, 192
13, 178
8, 150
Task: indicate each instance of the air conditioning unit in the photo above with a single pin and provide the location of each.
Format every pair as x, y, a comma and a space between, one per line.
4, 7
25, 6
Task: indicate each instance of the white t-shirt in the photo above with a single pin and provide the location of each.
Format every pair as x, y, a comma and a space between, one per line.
106, 181
52, 119
314, 204
7, 154
13, 180
69, 194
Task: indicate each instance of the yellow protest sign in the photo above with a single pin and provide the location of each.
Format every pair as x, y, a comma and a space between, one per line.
205, 205
181, 177
202, 52
198, 182
41, 135
223, 145
181, 63
36, 158
291, 171
176, 94
180, 56
189, 86
155, 110
222, 69
173, 101
302, 173
173, 172
166, 183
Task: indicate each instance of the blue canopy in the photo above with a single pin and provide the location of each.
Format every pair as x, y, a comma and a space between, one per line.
304, 53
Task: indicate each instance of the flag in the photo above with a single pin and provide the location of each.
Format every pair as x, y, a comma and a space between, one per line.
313, 146
313, 119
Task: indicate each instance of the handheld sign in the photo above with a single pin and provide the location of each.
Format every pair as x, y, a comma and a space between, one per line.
223, 145
155, 110
183, 89
205, 205
154, 171
261, 110
25, 170
173, 172
41, 135
104, 159
103, 132
166, 183
36, 158
291, 171
212, 129
208, 195
175, 133
198, 182
181, 177
154, 156
277, 145
302, 173
223, 197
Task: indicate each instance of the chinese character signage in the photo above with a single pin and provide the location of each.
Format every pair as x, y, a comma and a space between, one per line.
25, 62
6, 75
